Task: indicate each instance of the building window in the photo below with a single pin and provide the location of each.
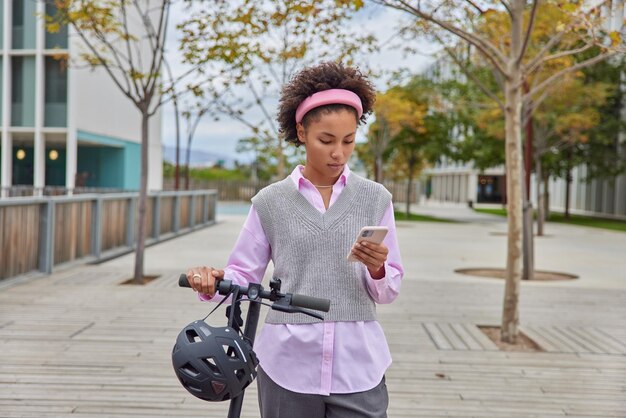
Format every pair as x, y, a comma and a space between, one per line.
24, 24
1, 24
55, 112
23, 91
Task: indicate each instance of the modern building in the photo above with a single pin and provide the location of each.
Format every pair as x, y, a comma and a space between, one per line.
64, 125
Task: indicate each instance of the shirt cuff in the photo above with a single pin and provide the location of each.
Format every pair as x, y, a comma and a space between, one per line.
383, 290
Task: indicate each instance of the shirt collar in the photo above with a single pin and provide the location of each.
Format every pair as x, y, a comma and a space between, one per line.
299, 179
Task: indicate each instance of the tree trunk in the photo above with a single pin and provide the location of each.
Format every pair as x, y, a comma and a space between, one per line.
143, 193
280, 169
177, 168
187, 161
540, 205
379, 149
409, 186
378, 168
528, 271
546, 198
568, 182
513, 155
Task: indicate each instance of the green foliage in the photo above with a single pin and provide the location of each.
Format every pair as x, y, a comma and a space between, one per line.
604, 155
264, 165
209, 173
595, 222
416, 118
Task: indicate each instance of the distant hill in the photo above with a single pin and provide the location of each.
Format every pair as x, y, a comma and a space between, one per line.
197, 158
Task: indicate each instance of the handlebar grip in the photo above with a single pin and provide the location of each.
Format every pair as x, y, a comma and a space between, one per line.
182, 281
222, 286
310, 302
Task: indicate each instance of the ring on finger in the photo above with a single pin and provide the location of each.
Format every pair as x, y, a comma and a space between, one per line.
196, 275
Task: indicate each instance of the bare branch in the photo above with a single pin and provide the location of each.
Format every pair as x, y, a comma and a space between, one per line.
483, 45
587, 63
530, 66
560, 55
463, 67
259, 102
117, 56
228, 110
529, 29
507, 6
530, 105
475, 6
107, 68
159, 44
128, 48
166, 99
174, 81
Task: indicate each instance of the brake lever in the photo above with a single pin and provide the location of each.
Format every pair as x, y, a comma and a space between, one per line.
291, 309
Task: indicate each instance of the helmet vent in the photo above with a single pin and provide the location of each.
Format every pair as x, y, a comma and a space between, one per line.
192, 336
190, 370
218, 387
230, 351
210, 362
241, 374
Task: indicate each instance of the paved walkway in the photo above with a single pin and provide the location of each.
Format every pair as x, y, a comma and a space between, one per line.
77, 343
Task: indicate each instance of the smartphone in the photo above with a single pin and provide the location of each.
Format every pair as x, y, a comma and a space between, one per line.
375, 234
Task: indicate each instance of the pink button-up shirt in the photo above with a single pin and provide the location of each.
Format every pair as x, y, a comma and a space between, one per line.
320, 358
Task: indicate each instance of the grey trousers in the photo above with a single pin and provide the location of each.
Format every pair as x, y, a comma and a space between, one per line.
277, 402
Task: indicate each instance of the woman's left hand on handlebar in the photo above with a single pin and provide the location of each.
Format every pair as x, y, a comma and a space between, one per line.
202, 279
373, 256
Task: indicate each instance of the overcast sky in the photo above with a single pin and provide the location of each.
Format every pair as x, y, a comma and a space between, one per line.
221, 137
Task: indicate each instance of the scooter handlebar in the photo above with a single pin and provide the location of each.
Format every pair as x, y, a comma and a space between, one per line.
310, 302
301, 301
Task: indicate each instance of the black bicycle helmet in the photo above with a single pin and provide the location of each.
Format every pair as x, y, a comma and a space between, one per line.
213, 363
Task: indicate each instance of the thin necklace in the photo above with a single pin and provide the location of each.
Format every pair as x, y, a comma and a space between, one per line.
323, 187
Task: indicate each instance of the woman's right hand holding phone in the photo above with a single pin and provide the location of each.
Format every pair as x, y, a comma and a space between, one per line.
202, 279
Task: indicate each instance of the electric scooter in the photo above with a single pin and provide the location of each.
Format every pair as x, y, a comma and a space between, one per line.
255, 293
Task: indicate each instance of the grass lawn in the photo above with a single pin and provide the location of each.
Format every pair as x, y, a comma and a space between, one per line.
401, 216
612, 224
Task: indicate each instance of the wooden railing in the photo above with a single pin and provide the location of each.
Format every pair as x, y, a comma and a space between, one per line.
37, 234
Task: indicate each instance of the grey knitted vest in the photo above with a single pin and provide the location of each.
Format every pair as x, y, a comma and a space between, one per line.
309, 248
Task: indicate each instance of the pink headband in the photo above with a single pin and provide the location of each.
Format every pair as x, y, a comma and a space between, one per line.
325, 97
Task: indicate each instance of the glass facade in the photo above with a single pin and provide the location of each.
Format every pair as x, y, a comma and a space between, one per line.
1, 86
58, 39
23, 91
55, 106
1, 24
24, 24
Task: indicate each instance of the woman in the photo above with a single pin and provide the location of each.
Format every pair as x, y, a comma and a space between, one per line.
306, 224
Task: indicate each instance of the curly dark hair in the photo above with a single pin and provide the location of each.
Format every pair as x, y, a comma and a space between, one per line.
325, 76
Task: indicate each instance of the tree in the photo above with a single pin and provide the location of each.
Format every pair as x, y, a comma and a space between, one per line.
126, 38
393, 113
177, 125
192, 118
411, 128
563, 125
261, 167
514, 62
251, 48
